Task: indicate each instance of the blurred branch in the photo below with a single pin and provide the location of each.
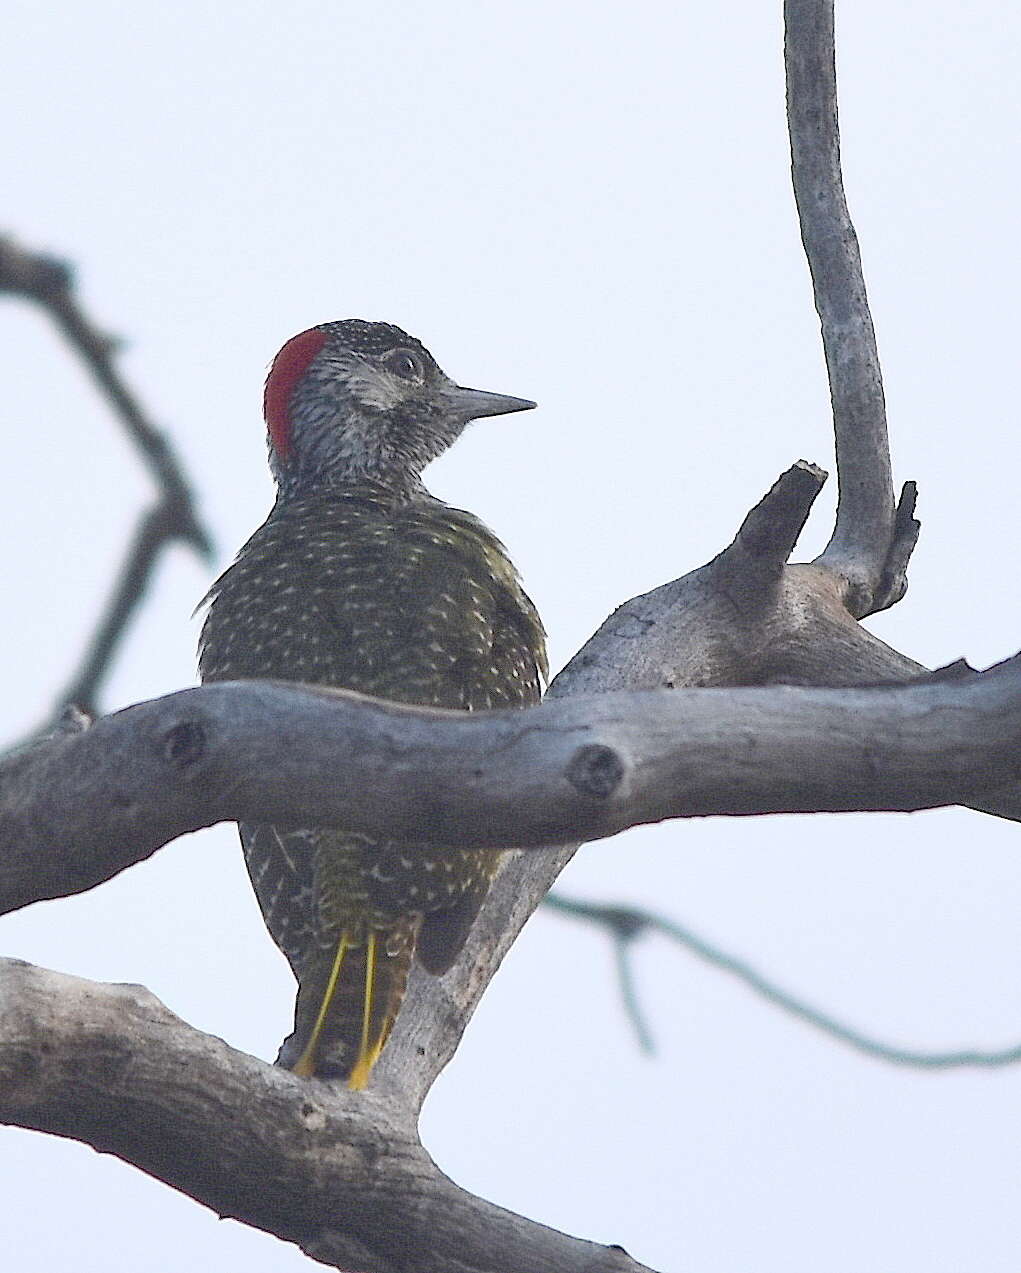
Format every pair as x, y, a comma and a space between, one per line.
872, 540
624, 924
49, 283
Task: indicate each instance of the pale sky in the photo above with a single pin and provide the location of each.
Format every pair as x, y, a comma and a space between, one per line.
589, 207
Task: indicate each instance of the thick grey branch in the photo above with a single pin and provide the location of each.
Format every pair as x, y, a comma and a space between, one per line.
872, 539
570, 769
342, 1175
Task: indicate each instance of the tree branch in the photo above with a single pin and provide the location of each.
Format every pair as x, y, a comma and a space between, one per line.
49, 283
872, 540
343, 1175
624, 924
741, 619
568, 769
573, 768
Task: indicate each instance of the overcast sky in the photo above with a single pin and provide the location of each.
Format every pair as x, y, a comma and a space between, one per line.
590, 207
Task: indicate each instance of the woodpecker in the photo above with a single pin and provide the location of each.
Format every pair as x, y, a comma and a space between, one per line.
360, 579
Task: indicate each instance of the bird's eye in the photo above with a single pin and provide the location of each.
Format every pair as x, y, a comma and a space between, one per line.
406, 364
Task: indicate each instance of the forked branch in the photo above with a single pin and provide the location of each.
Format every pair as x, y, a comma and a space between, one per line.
341, 1175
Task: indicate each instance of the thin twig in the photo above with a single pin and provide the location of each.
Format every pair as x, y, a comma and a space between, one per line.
870, 542
629, 994
625, 924
128, 592
49, 283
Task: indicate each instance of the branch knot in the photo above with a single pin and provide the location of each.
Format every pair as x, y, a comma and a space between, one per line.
595, 770
185, 743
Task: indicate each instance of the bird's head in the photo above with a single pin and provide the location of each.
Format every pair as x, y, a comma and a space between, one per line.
352, 400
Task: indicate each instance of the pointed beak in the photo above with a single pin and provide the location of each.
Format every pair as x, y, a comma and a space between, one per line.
471, 404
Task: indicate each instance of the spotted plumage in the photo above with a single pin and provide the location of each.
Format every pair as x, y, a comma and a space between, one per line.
361, 579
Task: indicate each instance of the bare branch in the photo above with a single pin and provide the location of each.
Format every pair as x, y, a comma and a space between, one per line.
568, 769
155, 530
763, 545
872, 540
268, 752
735, 622
50, 283
345, 1177
342, 1175
625, 923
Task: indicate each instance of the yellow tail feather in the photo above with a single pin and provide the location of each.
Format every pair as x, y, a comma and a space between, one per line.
345, 1013
305, 1066
368, 1052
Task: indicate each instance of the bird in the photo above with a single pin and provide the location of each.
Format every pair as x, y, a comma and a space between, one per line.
361, 579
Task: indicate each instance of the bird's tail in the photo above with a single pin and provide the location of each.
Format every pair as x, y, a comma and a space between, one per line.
348, 1002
